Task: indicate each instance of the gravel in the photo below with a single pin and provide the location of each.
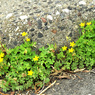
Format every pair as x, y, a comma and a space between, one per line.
40, 17
47, 21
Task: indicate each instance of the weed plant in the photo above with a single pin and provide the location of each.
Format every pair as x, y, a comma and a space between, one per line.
22, 67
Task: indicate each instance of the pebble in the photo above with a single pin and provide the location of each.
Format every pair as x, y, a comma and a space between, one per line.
58, 5
45, 23
49, 17
39, 24
46, 28
66, 10
57, 13
32, 35
9, 15
32, 29
61, 27
82, 3
23, 17
40, 35
43, 19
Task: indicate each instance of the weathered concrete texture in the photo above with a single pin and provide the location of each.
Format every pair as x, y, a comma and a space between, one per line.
45, 21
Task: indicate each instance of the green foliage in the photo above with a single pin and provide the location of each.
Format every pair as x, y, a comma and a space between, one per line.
57, 64
47, 57
84, 50
22, 67
19, 61
85, 47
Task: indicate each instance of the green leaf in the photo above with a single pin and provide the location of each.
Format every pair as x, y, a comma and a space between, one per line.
60, 55
46, 80
57, 64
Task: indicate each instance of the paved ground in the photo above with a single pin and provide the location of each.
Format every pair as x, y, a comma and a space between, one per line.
84, 86
77, 86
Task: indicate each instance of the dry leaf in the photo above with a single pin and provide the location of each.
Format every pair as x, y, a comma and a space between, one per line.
86, 71
53, 51
12, 93
60, 77
79, 70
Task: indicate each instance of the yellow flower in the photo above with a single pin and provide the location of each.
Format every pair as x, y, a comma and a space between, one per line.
35, 58
2, 55
72, 44
24, 34
82, 24
64, 48
68, 38
25, 51
1, 59
30, 72
71, 50
88, 23
27, 39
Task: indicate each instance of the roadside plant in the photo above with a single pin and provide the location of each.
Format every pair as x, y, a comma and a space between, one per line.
65, 56
18, 68
82, 52
22, 67
85, 46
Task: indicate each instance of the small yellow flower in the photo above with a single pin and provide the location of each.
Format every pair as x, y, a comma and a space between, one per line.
24, 34
82, 24
35, 58
64, 48
1, 59
28, 39
2, 55
72, 44
88, 23
30, 72
68, 38
71, 50
25, 51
